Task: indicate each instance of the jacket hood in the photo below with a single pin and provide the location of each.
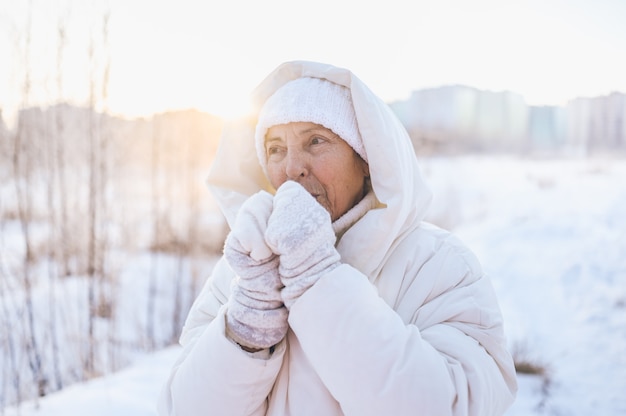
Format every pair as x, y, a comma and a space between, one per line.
402, 195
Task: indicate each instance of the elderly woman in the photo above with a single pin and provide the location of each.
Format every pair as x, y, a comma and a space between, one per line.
333, 296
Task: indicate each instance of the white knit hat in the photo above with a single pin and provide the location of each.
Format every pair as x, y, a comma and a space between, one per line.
314, 100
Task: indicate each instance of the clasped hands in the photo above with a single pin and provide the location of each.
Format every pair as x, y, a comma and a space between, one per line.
279, 247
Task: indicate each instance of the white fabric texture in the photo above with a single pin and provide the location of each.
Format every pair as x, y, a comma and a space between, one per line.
407, 324
314, 100
256, 315
299, 230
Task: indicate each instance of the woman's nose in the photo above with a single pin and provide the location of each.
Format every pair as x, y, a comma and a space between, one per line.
296, 165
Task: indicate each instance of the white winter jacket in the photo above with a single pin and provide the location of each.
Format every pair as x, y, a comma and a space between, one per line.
408, 325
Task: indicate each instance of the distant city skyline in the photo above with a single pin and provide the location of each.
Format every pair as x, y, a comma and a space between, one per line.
164, 55
457, 118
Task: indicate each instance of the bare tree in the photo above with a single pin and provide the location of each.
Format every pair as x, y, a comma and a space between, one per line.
23, 166
92, 216
156, 230
56, 192
12, 370
191, 168
96, 211
107, 280
61, 176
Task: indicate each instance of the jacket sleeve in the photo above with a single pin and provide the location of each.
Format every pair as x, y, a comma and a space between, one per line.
449, 360
213, 375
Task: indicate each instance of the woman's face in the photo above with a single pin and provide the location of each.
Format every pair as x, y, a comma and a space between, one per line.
319, 160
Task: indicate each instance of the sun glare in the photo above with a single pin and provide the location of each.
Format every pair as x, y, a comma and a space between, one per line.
134, 99
188, 57
227, 105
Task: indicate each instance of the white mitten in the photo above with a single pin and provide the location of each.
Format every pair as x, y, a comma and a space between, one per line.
300, 231
256, 317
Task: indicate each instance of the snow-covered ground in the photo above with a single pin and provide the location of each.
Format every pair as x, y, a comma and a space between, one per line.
552, 236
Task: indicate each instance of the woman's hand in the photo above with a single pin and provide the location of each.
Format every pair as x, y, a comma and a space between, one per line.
299, 230
256, 317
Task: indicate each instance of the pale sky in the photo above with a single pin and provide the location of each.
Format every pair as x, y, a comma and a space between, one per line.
209, 54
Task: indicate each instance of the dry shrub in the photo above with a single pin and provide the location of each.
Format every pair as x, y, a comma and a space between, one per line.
527, 362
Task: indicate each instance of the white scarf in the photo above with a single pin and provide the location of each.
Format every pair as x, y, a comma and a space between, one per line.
341, 225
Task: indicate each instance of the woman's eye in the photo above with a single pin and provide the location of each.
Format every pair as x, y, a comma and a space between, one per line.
317, 140
272, 150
